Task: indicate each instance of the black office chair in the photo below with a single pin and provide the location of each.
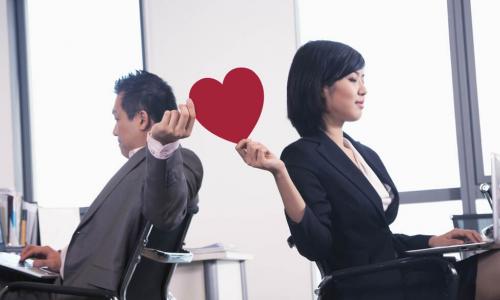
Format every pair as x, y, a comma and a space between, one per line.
442, 279
148, 272
336, 284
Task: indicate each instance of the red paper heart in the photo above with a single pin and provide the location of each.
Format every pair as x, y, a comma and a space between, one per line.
229, 110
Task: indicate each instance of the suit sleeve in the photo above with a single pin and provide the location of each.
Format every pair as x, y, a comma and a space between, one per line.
165, 191
403, 242
193, 170
312, 235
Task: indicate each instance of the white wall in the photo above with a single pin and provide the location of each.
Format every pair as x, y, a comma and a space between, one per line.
9, 158
188, 40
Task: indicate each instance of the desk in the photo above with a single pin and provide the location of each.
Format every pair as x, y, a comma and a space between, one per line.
211, 276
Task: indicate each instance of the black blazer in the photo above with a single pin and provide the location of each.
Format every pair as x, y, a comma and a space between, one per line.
344, 224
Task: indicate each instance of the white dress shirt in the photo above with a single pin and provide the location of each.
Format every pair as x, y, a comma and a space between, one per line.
382, 189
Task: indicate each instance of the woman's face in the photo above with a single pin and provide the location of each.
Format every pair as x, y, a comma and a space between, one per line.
345, 99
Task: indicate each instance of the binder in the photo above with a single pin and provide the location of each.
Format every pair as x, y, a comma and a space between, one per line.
18, 219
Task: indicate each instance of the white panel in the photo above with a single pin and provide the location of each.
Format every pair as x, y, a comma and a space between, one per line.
188, 282
6, 129
485, 23
189, 40
229, 277
50, 219
77, 49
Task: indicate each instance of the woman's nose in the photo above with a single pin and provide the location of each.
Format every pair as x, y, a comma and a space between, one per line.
362, 91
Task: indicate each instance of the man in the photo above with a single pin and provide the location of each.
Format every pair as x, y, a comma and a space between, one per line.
152, 185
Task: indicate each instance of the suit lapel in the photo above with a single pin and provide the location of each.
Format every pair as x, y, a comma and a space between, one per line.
112, 183
337, 158
381, 173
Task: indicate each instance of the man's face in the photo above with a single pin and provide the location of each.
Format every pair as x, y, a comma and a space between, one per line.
129, 132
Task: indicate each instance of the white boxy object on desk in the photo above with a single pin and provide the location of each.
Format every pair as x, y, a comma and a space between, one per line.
216, 273
57, 225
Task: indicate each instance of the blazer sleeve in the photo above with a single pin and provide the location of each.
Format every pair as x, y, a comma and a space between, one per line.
312, 235
165, 191
193, 170
404, 242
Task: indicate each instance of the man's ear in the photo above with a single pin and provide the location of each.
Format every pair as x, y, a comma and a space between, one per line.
144, 120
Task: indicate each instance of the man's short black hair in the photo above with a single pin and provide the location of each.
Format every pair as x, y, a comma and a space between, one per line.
317, 64
142, 90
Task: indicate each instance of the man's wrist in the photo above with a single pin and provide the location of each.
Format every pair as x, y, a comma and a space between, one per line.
161, 151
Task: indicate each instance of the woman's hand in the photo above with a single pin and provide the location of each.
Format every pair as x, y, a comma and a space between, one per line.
455, 237
258, 156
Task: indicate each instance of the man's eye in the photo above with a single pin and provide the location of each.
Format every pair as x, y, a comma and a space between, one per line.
353, 79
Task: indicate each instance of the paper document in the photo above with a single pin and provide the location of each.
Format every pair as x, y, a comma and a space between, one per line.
217, 247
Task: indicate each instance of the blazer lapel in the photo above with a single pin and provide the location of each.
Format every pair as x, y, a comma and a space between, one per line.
392, 210
337, 158
112, 183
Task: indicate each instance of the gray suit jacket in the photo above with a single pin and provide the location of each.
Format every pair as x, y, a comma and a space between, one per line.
144, 188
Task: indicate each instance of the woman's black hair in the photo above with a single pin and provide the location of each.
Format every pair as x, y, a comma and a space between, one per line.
315, 65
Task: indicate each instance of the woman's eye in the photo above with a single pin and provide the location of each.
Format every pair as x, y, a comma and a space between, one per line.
353, 79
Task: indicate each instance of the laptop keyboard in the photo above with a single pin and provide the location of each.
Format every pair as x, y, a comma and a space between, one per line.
11, 260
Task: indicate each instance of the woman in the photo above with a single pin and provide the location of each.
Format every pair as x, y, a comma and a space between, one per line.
339, 199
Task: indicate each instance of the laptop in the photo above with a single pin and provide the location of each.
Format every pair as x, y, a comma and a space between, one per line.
490, 243
10, 261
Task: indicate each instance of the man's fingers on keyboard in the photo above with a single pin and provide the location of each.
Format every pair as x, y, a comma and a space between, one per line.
38, 263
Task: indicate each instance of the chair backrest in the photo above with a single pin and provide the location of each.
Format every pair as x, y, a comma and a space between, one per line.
146, 278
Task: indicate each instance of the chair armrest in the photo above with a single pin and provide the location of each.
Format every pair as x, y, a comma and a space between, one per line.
393, 264
167, 257
407, 262
57, 289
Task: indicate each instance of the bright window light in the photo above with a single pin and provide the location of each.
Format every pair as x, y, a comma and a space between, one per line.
76, 51
409, 118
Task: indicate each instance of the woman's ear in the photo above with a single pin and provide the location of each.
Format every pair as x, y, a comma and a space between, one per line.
325, 90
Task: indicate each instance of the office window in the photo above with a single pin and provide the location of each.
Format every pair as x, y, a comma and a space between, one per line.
485, 24
76, 50
409, 116
410, 215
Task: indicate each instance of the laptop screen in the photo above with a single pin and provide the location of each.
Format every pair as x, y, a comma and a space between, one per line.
495, 194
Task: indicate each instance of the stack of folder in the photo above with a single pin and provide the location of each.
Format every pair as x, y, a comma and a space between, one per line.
18, 219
